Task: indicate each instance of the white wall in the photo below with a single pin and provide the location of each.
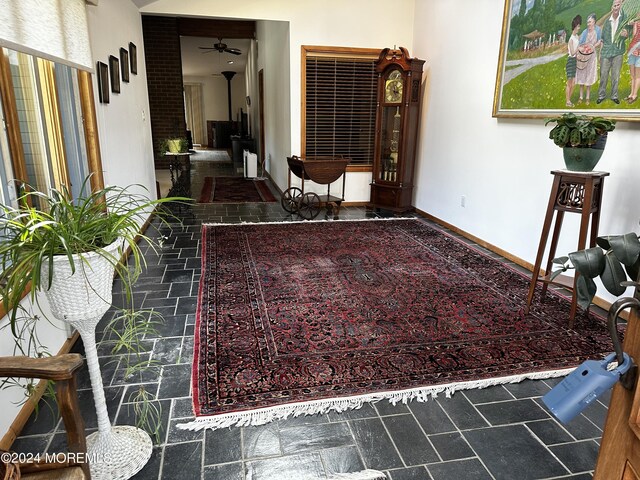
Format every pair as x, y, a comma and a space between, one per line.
124, 125
502, 166
356, 23
273, 41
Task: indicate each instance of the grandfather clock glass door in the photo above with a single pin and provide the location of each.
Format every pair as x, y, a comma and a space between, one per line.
391, 118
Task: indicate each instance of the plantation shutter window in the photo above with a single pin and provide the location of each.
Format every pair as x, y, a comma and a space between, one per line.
339, 93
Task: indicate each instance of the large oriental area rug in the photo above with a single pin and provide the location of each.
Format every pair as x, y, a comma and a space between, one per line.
308, 317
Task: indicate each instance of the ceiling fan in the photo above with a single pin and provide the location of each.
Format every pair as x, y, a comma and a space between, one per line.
221, 47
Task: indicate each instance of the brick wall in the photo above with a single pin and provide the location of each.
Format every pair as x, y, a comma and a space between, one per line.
164, 80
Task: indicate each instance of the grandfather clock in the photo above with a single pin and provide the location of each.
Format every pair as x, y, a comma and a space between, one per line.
397, 116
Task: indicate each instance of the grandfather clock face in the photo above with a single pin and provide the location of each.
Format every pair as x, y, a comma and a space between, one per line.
393, 87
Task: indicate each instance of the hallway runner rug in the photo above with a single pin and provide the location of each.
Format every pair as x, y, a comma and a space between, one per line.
235, 190
308, 317
214, 156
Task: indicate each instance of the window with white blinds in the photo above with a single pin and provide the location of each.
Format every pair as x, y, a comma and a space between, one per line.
339, 92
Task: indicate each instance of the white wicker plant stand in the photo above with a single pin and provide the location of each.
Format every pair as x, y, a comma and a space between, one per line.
81, 299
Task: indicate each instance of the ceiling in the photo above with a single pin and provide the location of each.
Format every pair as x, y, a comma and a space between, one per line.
212, 62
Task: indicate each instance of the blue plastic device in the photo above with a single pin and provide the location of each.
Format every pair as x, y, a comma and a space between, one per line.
586, 383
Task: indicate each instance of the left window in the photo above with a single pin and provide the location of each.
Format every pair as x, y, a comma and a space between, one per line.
41, 112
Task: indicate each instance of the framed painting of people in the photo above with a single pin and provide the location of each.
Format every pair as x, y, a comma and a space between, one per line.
569, 55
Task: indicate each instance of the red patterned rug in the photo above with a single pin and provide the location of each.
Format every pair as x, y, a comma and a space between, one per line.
309, 317
234, 190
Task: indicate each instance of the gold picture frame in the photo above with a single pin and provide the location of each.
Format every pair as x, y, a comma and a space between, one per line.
533, 72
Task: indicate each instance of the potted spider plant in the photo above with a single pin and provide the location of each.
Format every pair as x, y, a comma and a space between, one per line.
69, 251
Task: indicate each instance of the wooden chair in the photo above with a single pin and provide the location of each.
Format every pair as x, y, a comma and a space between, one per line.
62, 370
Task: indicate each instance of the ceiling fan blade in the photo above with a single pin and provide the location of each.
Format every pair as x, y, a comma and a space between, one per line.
233, 51
206, 48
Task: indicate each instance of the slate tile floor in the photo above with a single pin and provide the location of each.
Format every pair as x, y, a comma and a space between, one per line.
501, 432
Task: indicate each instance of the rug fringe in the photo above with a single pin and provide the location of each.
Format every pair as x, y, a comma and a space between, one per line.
421, 394
362, 475
314, 221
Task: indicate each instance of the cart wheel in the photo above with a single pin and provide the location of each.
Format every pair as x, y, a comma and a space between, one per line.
290, 198
309, 206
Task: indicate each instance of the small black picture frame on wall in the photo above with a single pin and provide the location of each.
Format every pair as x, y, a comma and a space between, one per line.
124, 64
133, 57
114, 73
103, 82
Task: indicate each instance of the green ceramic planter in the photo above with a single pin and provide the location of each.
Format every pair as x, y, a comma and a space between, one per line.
584, 159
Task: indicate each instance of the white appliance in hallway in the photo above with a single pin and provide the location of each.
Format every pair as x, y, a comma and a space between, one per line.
250, 164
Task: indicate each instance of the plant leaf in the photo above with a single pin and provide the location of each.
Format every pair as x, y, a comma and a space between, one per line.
603, 242
556, 273
561, 260
633, 270
613, 275
589, 262
586, 290
626, 247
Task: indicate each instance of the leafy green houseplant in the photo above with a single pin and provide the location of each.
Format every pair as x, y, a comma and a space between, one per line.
582, 139
615, 260
69, 250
